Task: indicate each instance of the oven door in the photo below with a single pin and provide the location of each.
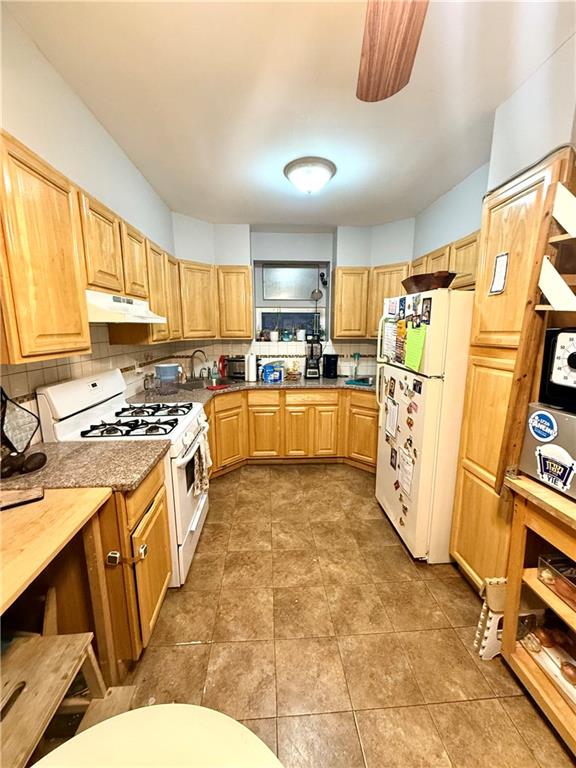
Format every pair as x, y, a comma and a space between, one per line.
187, 506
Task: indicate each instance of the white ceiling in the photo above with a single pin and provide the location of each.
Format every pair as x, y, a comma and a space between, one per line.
211, 100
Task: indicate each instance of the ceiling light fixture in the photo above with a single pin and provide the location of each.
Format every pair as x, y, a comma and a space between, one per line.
309, 174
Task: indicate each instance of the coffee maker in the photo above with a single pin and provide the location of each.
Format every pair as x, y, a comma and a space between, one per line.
313, 357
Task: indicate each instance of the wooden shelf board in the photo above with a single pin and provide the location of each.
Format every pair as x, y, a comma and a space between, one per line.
545, 693
47, 666
561, 238
560, 608
547, 499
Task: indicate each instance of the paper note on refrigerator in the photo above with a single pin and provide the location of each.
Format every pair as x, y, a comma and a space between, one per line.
389, 345
415, 339
391, 416
405, 471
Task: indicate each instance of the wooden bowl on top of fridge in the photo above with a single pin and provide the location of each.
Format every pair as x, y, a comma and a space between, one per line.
428, 281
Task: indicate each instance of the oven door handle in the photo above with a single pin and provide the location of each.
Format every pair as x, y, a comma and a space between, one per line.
182, 461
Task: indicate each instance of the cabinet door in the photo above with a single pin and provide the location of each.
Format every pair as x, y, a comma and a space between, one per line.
385, 281
151, 547
362, 434
350, 302
265, 431
297, 430
173, 298
199, 300
438, 260
463, 261
230, 436
102, 245
235, 302
134, 261
419, 266
156, 259
43, 276
325, 430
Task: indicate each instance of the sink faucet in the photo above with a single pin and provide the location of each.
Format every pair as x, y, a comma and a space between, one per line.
192, 356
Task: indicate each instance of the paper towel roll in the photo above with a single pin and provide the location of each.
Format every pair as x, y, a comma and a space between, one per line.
250, 367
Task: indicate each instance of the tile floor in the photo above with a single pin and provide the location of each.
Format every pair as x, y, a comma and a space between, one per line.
304, 618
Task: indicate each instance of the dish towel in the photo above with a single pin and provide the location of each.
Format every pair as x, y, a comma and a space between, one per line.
202, 463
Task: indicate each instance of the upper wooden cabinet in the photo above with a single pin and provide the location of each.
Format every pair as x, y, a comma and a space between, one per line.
438, 260
463, 260
385, 281
173, 298
102, 246
134, 260
235, 302
43, 277
156, 261
198, 289
350, 302
419, 266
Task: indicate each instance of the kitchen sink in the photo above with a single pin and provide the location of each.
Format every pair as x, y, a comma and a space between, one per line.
363, 381
193, 384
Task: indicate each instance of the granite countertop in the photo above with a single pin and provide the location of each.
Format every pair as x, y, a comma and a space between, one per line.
204, 395
117, 464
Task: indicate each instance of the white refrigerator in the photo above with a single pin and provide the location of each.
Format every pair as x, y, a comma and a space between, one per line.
422, 355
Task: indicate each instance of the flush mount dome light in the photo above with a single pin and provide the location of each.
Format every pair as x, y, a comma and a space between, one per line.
310, 174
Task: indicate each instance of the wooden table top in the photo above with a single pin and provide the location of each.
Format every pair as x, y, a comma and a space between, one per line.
554, 503
31, 535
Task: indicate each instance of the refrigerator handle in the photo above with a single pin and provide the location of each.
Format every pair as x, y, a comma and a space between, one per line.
380, 340
378, 369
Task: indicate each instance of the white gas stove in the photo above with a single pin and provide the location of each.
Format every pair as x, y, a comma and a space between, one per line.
95, 408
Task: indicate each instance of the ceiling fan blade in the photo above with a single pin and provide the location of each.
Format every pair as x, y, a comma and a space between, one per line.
391, 36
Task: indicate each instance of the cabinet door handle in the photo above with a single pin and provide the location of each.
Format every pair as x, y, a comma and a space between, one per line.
143, 551
114, 558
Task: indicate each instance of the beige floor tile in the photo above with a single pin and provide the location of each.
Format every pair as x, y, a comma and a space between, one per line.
301, 612
309, 677
540, 737
374, 535
410, 605
221, 510
377, 672
333, 535
478, 734
205, 572
401, 738
296, 568
254, 474
214, 538
250, 536
257, 512
247, 569
390, 564
326, 510
437, 571
357, 609
170, 674
292, 535
265, 729
343, 567
240, 680
499, 677
443, 667
319, 741
290, 508
365, 509
458, 601
185, 617
253, 493
244, 614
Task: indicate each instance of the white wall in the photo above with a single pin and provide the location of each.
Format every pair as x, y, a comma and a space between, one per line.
193, 239
539, 117
292, 246
353, 246
40, 109
392, 242
232, 244
453, 215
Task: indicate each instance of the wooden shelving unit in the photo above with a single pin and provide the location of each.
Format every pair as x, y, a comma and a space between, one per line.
555, 603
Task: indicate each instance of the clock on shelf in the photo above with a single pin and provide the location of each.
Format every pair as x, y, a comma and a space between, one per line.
558, 382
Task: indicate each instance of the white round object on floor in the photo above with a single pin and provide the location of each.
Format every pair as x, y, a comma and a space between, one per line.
164, 736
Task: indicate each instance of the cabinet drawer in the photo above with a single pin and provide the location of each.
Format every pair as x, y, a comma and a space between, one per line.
138, 501
264, 397
227, 401
363, 399
322, 397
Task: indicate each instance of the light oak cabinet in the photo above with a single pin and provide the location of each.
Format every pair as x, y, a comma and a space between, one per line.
438, 260
385, 281
265, 424
199, 294
43, 274
297, 430
362, 427
156, 262
174, 300
102, 246
230, 429
350, 302
463, 260
134, 261
419, 266
235, 302
325, 430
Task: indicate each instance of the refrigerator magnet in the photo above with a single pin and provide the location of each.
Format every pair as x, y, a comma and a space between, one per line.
416, 321
417, 387
402, 307
396, 485
409, 422
393, 458
391, 386
426, 310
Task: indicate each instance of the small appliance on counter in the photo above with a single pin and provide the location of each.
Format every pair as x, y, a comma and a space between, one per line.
235, 367
330, 366
313, 356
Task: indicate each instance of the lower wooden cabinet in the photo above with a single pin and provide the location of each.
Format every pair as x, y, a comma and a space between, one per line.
325, 430
297, 430
265, 424
362, 428
230, 429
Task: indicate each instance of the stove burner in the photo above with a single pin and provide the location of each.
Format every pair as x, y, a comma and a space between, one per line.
156, 409
111, 431
131, 428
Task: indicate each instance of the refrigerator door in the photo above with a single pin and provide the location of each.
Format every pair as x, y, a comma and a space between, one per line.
407, 451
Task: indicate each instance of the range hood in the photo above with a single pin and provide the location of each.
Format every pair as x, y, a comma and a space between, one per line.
112, 308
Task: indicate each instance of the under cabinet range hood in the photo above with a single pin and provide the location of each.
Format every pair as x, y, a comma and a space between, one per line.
112, 308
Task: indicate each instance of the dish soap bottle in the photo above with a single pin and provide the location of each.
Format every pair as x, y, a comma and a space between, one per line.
214, 374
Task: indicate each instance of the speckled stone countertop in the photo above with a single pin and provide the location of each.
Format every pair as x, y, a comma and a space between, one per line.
204, 395
117, 464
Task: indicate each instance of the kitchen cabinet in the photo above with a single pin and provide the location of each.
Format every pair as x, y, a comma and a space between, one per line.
463, 260
362, 427
265, 425
419, 266
384, 282
297, 430
102, 245
134, 261
325, 430
235, 302
43, 274
156, 262
174, 301
230, 429
350, 302
438, 260
199, 295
